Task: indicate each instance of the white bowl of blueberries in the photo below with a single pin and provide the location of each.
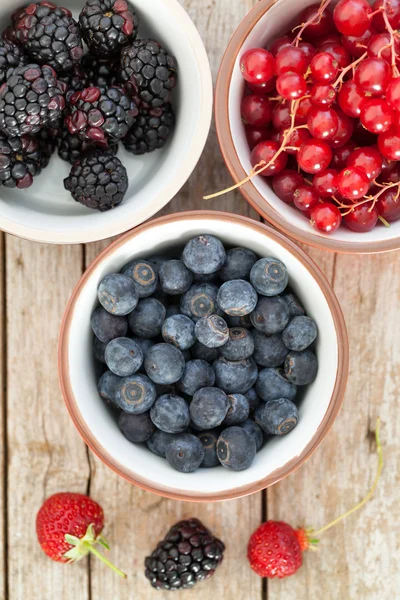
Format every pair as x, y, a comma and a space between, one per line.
203, 356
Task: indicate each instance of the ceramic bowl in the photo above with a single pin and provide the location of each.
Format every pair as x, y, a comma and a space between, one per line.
318, 406
267, 21
46, 212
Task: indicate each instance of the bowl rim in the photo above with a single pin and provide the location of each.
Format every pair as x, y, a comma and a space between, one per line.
189, 161
238, 173
337, 393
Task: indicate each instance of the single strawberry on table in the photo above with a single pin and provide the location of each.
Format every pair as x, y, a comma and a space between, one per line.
69, 526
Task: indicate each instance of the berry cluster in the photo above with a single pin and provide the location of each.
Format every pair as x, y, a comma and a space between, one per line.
52, 94
204, 353
321, 112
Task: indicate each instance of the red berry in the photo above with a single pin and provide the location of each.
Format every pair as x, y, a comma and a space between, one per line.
393, 94
275, 550
373, 75
341, 155
368, 160
344, 131
333, 38
308, 50
356, 44
389, 144
392, 8
324, 67
392, 176
352, 183
314, 156
322, 123
326, 217
281, 116
322, 94
338, 52
321, 25
387, 167
326, 183
295, 140
292, 59
265, 151
350, 98
305, 197
376, 115
278, 44
378, 46
388, 205
351, 17
262, 88
257, 65
256, 110
303, 109
362, 218
255, 135
291, 86
285, 184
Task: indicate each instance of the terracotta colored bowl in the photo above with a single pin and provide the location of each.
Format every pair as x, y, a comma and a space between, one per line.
319, 403
267, 21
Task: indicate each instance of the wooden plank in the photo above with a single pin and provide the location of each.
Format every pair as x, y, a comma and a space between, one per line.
45, 454
358, 558
3, 440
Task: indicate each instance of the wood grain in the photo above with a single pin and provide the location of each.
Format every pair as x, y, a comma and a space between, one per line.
3, 448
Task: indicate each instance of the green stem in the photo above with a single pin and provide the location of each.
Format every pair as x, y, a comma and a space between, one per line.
94, 551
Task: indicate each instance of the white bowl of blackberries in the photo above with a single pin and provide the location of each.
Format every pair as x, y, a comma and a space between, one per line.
103, 105
213, 360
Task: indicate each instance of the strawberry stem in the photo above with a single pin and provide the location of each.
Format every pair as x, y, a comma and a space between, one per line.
371, 491
94, 551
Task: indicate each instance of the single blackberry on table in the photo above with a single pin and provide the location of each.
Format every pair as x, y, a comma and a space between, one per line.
101, 116
108, 25
49, 35
98, 180
11, 57
149, 72
189, 553
100, 72
29, 100
71, 147
21, 158
150, 131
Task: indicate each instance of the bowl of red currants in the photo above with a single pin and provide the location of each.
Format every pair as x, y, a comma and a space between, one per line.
307, 112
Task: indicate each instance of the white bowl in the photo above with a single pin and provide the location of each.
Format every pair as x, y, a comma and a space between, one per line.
318, 406
46, 212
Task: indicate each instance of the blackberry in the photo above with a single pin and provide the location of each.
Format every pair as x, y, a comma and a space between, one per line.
151, 130
189, 553
21, 158
100, 72
149, 72
71, 147
108, 25
74, 80
98, 180
29, 100
11, 57
101, 116
49, 35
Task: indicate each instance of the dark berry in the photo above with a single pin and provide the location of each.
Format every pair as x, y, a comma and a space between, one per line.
123, 356
147, 318
237, 298
170, 413
100, 72
107, 386
201, 352
164, 364
21, 159
135, 394
143, 275
272, 384
277, 417
236, 448
71, 147
271, 315
10, 58
269, 276
159, 441
299, 334
106, 326
252, 397
209, 440
301, 367
197, 374
269, 350
238, 411
117, 294
295, 308
212, 331
238, 264
99, 350
144, 344
200, 301
235, 377
185, 454
204, 254
239, 321
179, 331
209, 407
240, 344
136, 428
175, 277
151, 130
251, 427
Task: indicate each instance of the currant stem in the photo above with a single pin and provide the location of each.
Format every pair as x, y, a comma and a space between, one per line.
345, 70
314, 19
109, 564
371, 491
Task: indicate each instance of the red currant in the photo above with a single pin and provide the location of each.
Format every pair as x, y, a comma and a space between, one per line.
350, 98
326, 183
303, 109
278, 44
314, 156
389, 144
255, 135
393, 94
326, 217
388, 205
379, 46
362, 218
281, 116
292, 59
305, 197
338, 52
387, 167
262, 88
356, 45
341, 155
322, 94
324, 67
373, 75
333, 38
322, 123
376, 115
286, 183
308, 50
256, 110
392, 9
265, 151
291, 86
352, 183
344, 131
368, 160
257, 65
392, 176
321, 26
296, 139
351, 17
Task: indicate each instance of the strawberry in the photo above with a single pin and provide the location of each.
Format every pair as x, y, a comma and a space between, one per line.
68, 527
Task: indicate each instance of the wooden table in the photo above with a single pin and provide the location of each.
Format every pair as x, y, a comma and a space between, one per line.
41, 453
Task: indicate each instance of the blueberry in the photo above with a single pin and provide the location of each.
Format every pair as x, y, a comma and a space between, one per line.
295, 308
271, 315
201, 352
159, 441
236, 448
300, 333
106, 327
253, 399
239, 346
212, 331
164, 364
99, 349
197, 374
269, 276
209, 440
301, 367
244, 321
238, 264
170, 413
172, 310
135, 394
235, 376
269, 350
251, 427
143, 275
136, 428
175, 277
123, 356
200, 301
185, 453
272, 384
118, 294
204, 254
156, 262
238, 411
237, 298
143, 344
277, 417
107, 386
179, 331
209, 407
147, 318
